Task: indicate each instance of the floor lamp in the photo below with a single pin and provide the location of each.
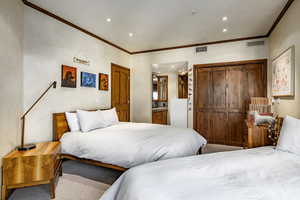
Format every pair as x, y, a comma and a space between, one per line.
27, 147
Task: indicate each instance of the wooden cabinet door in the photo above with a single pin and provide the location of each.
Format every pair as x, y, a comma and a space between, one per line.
120, 91
236, 89
218, 101
160, 117
218, 127
222, 94
202, 101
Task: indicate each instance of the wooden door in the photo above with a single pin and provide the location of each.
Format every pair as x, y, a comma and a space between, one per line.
236, 102
183, 86
120, 91
218, 113
221, 96
202, 102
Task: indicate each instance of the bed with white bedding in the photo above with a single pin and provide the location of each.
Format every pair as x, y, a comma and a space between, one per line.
256, 174
128, 144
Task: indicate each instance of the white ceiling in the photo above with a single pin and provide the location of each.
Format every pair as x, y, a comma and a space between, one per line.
164, 68
165, 23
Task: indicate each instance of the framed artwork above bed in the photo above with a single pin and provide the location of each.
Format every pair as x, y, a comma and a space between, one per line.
283, 74
103, 81
88, 80
68, 76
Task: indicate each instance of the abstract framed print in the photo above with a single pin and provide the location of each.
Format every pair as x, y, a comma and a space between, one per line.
88, 80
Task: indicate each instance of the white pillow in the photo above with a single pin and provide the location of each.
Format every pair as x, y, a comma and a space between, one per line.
110, 117
289, 139
90, 120
73, 121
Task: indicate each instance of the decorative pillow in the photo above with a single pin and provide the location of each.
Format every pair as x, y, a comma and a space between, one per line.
90, 120
261, 119
73, 121
110, 117
289, 139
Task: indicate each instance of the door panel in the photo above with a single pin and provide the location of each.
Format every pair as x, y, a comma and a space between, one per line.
203, 87
218, 88
236, 129
123, 88
120, 90
256, 81
218, 127
256, 75
202, 125
115, 79
235, 77
236, 105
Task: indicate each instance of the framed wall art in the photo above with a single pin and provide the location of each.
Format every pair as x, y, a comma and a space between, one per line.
283, 74
88, 80
103, 82
68, 76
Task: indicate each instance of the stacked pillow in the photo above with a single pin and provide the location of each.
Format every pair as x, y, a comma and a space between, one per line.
91, 120
73, 121
289, 139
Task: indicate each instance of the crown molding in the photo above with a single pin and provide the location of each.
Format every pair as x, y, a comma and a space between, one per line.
64, 21
282, 13
200, 44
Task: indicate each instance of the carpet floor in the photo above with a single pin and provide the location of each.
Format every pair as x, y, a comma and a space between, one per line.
85, 182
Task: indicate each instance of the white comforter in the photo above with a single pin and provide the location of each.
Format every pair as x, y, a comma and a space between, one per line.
131, 144
257, 174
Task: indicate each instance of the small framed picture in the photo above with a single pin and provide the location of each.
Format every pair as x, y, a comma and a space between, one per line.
103, 82
88, 80
68, 76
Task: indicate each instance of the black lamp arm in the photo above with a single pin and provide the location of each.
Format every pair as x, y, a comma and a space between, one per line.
24, 115
44, 93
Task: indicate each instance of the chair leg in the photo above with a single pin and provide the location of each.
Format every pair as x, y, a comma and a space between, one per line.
60, 171
52, 189
4, 192
200, 151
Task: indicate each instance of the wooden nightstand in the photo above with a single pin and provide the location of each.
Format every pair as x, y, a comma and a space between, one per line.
38, 166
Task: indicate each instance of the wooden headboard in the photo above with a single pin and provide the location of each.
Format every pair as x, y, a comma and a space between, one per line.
60, 124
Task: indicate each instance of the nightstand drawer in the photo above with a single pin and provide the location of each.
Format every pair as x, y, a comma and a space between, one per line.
28, 169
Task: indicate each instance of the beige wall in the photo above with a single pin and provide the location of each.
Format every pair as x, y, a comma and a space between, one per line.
141, 69
285, 35
47, 45
11, 50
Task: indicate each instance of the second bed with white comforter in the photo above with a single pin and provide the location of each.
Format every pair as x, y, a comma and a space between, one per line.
131, 144
256, 174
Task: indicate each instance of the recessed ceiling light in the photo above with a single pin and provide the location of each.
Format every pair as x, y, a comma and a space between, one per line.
130, 34
225, 30
194, 12
108, 19
225, 18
